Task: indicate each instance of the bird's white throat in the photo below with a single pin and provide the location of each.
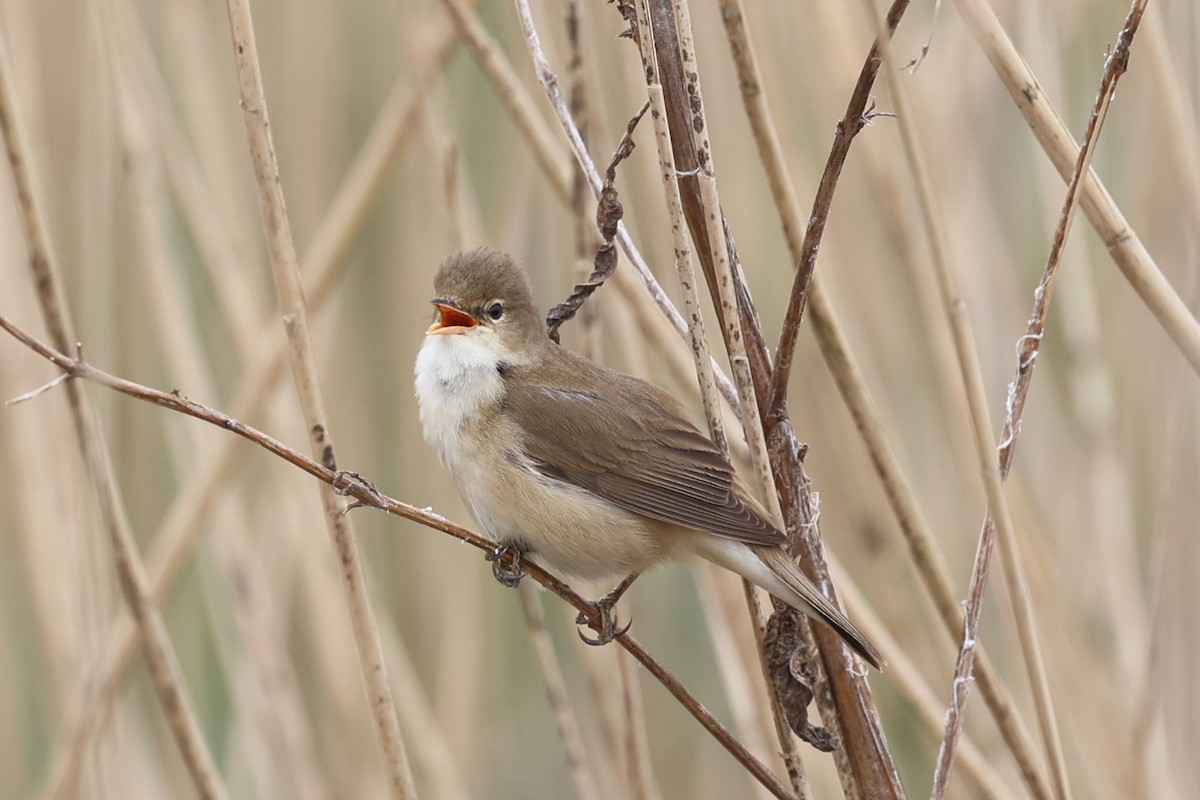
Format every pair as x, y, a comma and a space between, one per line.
457, 377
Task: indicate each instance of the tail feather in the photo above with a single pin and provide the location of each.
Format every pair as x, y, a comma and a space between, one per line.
770, 569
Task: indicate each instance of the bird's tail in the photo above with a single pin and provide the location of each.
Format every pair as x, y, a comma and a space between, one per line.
770, 569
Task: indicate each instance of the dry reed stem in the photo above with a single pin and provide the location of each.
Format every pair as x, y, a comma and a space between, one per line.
861, 735
726, 297
578, 762
549, 82
272, 694
923, 548
1028, 349
1126, 249
285, 271
972, 377
906, 677
160, 655
699, 343
683, 250
349, 484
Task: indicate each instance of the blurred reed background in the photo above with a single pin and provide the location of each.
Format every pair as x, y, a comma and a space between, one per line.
140, 156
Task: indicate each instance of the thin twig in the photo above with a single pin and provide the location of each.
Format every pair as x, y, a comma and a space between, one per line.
285, 271
350, 485
847, 128
1115, 66
45, 387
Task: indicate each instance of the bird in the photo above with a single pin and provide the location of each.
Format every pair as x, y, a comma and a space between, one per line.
595, 473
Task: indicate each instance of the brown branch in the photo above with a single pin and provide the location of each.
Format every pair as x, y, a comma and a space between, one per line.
857, 115
848, 701
1030, 344
925, 553
349, 484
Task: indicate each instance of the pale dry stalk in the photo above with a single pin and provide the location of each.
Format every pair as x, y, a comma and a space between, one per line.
323, 265
578, 762
703, 360
1029, 347
1123, 243
923, 549
285, 271
160, 654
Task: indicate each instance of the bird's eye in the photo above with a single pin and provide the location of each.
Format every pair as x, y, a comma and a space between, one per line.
496, 310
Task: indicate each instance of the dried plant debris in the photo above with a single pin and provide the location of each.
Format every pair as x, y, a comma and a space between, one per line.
608, 216
789, 657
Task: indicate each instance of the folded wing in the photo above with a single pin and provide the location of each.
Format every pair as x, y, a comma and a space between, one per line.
640, 453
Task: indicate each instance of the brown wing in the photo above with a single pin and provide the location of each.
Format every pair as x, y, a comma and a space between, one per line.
642, 455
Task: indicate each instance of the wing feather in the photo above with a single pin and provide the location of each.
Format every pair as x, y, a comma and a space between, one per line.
642, 455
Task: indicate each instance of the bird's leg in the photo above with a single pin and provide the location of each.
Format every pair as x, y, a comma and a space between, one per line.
507, 563
607, 630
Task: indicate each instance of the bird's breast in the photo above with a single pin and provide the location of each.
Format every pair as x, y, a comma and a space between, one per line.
458, 385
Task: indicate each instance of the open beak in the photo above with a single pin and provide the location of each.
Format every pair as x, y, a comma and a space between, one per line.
450, 319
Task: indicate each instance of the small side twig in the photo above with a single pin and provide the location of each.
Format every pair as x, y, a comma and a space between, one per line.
21, 398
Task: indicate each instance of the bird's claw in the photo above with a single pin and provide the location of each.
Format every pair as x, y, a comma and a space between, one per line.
507, 565
607, 630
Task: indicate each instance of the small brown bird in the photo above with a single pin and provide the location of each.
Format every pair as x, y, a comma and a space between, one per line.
594, 472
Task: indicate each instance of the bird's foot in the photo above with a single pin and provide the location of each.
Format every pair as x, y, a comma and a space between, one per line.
508, 564
603, 621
